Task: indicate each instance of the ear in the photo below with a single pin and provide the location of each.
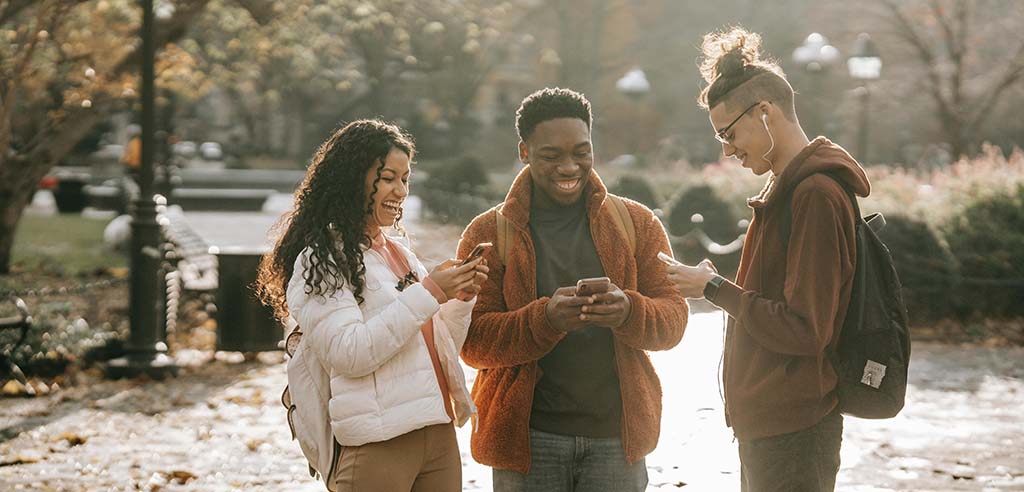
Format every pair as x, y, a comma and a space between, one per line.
766, 109
524, 154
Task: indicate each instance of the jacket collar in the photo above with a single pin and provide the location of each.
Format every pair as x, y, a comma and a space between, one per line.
784, 181
516, 207
821, 155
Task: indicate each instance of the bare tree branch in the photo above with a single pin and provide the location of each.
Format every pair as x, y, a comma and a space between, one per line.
1014, 73
948, 37
906, 30
9, 97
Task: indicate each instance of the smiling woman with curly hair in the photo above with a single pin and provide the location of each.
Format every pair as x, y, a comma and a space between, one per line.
387, 342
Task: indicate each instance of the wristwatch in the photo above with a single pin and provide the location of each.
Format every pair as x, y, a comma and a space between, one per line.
711, 288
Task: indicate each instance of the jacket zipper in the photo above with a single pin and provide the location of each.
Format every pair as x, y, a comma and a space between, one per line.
730, 327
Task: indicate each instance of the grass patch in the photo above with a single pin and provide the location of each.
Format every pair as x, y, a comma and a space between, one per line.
270, 162
65, 246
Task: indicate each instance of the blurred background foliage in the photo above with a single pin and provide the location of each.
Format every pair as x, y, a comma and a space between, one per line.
270, 79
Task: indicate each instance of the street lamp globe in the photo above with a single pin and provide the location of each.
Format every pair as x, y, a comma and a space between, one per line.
634, 83
815, 54
865, 63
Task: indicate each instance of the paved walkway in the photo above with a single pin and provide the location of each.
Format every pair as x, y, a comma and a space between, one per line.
220, 427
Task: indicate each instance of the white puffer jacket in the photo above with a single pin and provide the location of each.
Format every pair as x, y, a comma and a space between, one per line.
382, 381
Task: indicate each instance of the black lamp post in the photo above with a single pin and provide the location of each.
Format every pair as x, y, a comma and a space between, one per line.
634, 85
816, 56
146, 350
865, 64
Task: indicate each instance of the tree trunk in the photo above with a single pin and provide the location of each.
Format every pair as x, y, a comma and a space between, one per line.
953, 131
20, 173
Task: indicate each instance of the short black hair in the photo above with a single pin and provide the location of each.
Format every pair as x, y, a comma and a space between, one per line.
548, 104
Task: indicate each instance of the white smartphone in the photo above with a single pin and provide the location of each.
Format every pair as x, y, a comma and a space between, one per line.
668, 260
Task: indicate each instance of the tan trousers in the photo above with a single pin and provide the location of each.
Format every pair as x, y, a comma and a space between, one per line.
424, 460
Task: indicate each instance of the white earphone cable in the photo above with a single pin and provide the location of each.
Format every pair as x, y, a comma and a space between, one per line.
764, 121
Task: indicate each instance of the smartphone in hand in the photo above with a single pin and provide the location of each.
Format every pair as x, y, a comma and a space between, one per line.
591, 286
668, 260
477, 252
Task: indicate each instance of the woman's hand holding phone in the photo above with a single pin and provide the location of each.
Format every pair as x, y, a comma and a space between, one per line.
481, 275
477, 254
454, 276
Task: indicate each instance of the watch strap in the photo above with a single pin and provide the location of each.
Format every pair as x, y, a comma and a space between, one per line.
711, 288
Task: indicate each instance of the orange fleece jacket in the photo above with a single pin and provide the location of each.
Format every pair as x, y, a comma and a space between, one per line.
510, 332
787, 305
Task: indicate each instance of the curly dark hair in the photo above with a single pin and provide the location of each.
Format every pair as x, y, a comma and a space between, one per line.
738, 74
548, 104
329, 213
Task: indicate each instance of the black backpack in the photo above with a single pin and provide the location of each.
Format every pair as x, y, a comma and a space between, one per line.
873, 353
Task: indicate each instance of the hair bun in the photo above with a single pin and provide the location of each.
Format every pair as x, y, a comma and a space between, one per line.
728, 53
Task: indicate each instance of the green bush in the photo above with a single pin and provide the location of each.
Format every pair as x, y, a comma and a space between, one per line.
465, 174
987, 239
927, 270
455, 191
718, 223
637, 188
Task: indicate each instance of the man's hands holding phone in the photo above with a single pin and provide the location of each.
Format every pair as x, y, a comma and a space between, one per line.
563, 310
567, 311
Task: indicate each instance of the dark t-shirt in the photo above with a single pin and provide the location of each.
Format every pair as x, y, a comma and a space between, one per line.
578, 392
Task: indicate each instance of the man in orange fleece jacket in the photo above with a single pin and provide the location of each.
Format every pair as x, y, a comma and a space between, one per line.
791, 294
567, 397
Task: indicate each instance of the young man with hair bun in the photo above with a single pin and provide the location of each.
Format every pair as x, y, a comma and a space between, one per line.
791, 292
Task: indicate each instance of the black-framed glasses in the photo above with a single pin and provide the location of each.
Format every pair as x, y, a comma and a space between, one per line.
720, 135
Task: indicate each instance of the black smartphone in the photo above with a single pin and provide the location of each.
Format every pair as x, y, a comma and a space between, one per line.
477, 252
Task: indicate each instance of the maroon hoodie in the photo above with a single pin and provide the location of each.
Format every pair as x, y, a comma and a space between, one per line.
788, 304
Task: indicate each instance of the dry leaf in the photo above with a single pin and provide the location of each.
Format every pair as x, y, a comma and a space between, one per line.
72, 439
13, 388
182, 477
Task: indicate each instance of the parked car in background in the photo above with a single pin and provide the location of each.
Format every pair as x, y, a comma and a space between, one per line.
211, 151
68, 182
185, 148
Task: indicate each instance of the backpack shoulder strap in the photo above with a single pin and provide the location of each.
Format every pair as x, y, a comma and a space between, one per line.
504, 232
624, 221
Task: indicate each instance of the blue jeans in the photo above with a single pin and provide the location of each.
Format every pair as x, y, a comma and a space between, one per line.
803, 461
570, 463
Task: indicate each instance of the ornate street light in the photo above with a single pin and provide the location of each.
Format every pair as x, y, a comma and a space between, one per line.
864, 64
815, 55
633, 84
146, 350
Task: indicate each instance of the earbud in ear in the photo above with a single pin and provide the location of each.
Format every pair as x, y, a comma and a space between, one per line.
764, 117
